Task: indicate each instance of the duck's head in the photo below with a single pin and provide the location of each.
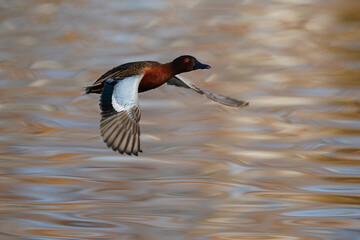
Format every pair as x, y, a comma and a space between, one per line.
187, 63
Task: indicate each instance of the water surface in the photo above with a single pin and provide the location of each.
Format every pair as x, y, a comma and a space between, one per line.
286, 167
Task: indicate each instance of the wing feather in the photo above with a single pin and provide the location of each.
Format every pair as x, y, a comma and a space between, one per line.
231, 102
120, 115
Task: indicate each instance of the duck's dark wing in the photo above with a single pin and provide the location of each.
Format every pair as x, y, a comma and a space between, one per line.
117, 73
120, 115
180, 82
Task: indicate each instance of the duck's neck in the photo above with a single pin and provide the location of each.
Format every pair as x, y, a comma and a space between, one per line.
169, 70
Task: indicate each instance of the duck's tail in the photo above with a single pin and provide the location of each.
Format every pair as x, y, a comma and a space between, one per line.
93, 89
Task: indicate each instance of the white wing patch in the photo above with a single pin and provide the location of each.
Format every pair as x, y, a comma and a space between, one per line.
125, 93
115, 104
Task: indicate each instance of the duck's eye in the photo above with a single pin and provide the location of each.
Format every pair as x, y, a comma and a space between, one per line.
186, 60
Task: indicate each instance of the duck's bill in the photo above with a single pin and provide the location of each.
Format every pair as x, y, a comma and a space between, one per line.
231, 102
199, 65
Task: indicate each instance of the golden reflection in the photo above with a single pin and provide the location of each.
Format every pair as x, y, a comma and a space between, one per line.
318, 198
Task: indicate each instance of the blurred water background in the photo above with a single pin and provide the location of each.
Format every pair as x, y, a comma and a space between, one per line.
286, 167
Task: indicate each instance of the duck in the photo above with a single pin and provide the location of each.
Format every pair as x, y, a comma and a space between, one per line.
119, 103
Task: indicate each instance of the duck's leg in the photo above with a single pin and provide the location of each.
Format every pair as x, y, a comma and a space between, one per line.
181, 82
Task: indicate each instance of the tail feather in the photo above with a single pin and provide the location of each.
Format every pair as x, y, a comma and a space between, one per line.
93, 89
87, 89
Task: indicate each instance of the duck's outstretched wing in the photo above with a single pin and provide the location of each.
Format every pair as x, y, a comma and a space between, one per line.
120, 115
180, 82
118, 73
